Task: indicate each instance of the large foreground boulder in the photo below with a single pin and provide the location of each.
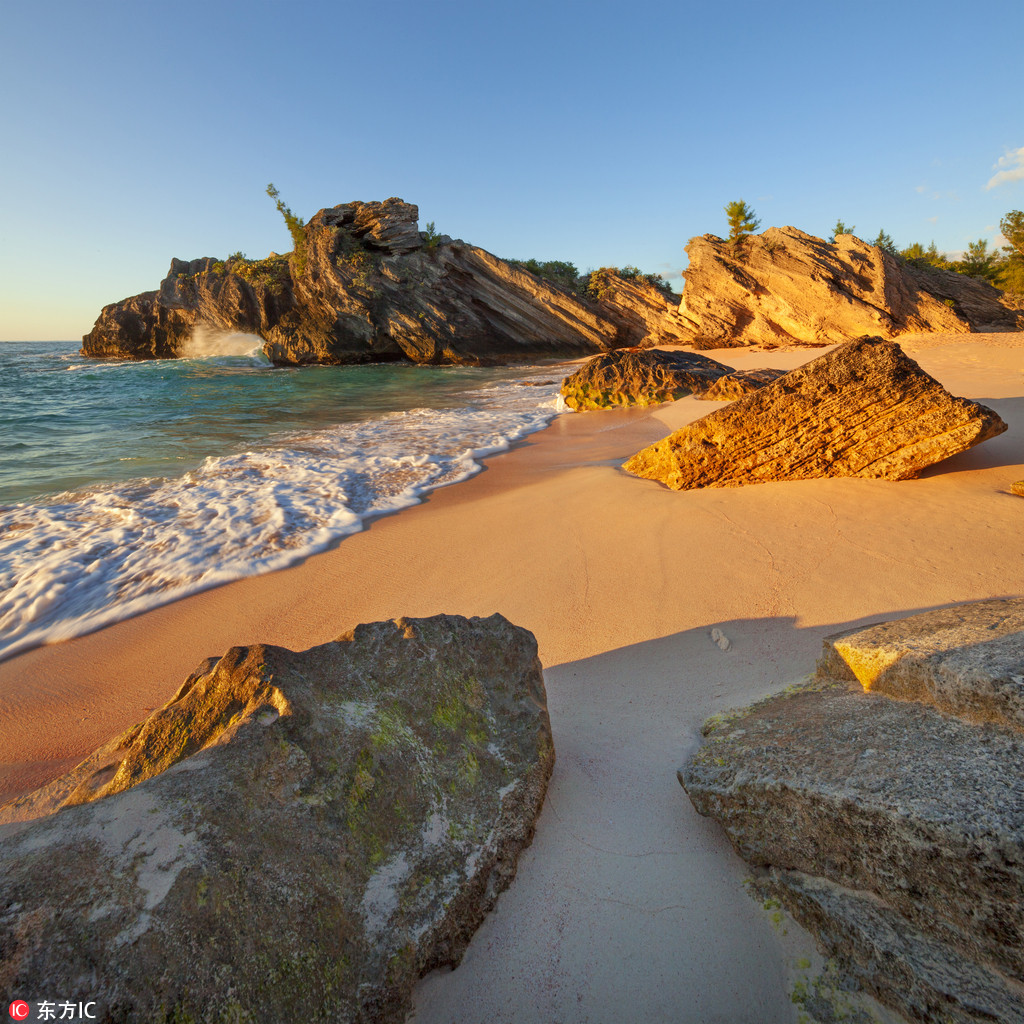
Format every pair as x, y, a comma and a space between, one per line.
865, 409
295, 836
639, 377
364, 286
892, 831
785, 286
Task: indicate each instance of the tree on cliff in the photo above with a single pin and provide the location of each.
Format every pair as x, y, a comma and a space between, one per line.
1012, 227
885, 242
742, 221
842, 229
296, 228
979, 262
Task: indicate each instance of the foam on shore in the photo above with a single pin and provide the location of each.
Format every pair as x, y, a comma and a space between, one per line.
96, 556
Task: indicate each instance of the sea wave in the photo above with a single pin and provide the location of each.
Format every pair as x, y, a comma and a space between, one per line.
89, 558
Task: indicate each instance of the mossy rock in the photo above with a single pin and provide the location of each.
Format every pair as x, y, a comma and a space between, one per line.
639, 377
294, 836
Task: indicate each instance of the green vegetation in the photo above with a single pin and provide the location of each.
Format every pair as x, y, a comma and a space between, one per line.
842, 229
432, 236
296, 228
594, 284
742, 222
1003, 269
271, 273
885, 242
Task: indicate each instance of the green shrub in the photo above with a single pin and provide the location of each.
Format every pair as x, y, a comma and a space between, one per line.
296, 228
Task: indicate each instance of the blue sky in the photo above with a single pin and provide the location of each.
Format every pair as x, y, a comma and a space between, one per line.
602, 133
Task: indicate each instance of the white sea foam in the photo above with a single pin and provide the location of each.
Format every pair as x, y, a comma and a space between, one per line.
209, 341
91, 558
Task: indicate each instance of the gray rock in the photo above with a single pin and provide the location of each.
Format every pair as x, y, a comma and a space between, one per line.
296, 836
892, 831
967, 660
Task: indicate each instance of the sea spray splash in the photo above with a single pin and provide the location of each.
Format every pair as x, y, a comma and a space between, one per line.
207, 341
93, 556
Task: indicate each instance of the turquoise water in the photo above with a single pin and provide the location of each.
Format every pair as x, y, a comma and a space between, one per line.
67, 422
124, 485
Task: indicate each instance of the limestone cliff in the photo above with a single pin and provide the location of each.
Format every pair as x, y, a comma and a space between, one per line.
785, 286
366, 286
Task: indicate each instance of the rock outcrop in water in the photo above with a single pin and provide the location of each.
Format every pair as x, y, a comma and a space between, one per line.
865, 409
368, 287
892, 831
784, 287
634, 377
295, 836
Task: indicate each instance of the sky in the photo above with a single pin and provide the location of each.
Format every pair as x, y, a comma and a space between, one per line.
601, 133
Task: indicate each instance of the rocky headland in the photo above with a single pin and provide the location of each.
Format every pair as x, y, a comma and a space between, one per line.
293, 836
367, 286
786, 287
883, 805
864, 409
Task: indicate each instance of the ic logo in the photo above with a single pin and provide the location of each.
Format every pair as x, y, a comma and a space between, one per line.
20, 1009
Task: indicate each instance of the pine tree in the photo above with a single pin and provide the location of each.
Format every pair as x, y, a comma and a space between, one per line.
1012, 227
296, 228
742, 222
885, 242
979, 262
842, 229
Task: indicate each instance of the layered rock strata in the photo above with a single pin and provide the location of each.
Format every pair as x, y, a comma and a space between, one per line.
865, 409
294, 836
644, 314
366, 286
892, 831
635, 377
739, 383
785, 286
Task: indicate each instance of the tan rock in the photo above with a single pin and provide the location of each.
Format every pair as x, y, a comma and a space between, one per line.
739, 383
785, 286
646, 315
865, 409
1017, 488
630, 376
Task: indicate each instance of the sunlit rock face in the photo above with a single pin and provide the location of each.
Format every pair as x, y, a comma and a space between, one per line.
295, 836
639, 377
785, 286
865, 409
891, 829
365, 285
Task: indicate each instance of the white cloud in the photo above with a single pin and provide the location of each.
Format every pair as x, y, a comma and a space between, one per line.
1010, 167
921, 188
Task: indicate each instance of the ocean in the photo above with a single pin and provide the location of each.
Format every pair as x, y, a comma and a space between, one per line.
125, 485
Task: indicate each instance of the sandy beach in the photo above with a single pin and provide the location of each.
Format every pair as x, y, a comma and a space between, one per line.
628, 906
